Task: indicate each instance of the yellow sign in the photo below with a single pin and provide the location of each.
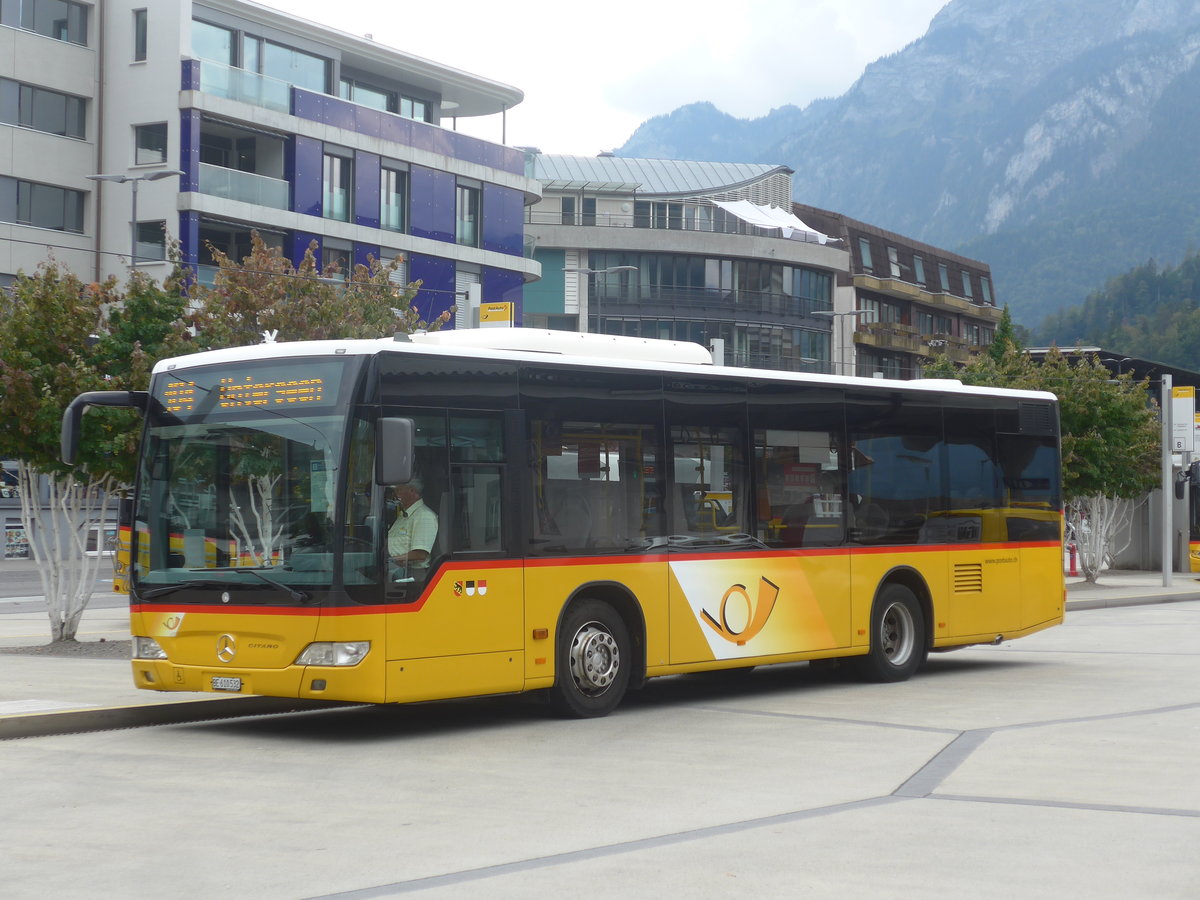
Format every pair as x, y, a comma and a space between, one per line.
496, 315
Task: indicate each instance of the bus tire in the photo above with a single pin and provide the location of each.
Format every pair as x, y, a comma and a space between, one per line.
592, 663
897, 637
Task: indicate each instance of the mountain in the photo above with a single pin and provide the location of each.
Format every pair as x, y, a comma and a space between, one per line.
1053, 139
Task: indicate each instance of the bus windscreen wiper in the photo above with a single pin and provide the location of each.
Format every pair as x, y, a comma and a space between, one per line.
182, 586
297, 596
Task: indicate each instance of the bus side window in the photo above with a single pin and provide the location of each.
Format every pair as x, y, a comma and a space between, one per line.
710, 489
476, 484
799, 499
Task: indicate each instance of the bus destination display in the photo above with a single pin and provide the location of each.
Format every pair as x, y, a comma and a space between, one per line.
265, 387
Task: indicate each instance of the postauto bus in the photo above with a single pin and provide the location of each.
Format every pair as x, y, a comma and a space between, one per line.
607, 510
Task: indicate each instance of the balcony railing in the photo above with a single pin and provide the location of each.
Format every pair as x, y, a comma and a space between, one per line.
891, 336
244, 186
247, 87
719, 224
694, 301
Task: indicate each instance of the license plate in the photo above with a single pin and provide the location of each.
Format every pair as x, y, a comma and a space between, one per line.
224, 683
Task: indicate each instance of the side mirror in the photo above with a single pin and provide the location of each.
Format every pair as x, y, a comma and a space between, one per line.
72, 420
394, 451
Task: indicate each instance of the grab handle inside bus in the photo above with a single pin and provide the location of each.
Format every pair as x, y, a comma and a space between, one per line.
73, 415
394, 451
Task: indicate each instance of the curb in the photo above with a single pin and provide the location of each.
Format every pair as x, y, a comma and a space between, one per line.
108, 718
1115, 602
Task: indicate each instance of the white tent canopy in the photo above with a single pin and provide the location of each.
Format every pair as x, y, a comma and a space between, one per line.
772, 217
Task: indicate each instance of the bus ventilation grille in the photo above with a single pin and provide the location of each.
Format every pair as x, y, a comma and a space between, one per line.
968, 578
1036, 418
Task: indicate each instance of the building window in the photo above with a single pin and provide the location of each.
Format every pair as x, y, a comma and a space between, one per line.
304, 70
972, 334
466, 226
412, 108
986, 284
393, 199
944, 278
41, 205
339, 176
864, 252
568, 210
150, 144
212, 42
152, 240
883, 311
62, 20
41, 109
893, 261
139, 35
919, 269
335, 259
367, 95
967, 292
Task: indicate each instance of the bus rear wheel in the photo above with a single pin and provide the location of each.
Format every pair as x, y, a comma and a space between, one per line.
592, 662
897, 637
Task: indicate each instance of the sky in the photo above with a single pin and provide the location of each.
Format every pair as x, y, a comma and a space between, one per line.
592, 73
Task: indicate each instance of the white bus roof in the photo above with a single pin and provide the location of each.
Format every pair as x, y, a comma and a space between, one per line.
533, 345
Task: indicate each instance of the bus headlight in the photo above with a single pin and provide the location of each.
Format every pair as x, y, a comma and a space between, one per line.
334, 653
147, 648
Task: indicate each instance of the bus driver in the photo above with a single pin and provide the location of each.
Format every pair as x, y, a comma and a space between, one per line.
411, 537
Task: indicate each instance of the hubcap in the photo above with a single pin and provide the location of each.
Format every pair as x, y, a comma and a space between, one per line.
898, 636
594, 659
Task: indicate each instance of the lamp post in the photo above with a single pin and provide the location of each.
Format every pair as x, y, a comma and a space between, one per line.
610, 269
135, 180
841, 315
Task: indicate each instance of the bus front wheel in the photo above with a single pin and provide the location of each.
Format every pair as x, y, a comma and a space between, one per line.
592, 662
897, 636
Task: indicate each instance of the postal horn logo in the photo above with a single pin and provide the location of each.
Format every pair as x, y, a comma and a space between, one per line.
741, 616
470, 588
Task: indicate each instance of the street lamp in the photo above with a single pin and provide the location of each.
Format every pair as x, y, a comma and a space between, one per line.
840, 315
135, 180
610, 269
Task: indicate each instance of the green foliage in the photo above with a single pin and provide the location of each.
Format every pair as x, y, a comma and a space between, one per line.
1147, 312
60, 337
1110, 433
266, 293
1005, 339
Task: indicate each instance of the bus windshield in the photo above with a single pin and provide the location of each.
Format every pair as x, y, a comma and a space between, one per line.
238, 479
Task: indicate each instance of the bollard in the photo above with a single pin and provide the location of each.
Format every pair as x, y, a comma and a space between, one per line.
1073, 555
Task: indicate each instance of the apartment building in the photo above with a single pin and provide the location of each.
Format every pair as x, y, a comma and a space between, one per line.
685, 251
903, 303
213, 118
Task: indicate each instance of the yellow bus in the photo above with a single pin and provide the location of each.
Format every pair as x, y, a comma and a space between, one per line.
494, 511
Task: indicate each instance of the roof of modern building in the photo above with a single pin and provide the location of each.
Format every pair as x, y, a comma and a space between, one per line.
462, 94
661, 177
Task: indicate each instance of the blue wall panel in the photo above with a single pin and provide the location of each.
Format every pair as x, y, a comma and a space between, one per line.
189, 149
366, 189
299, 244
437, 289
363, 253
503, 219
190, 80
304, 163
189, 239
432, 204
501, 286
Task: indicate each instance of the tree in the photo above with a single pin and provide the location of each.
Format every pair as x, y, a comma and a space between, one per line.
1110, 438
58, 338
1005, 338
265, 293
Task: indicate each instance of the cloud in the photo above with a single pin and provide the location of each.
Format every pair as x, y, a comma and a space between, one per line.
591, 74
